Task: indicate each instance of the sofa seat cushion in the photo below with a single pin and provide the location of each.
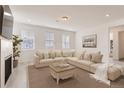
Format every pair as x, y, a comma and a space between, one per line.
86, 63
58, 59
46, 60
83, 62
72, 58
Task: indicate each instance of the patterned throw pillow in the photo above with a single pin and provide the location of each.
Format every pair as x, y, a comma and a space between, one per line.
87, 56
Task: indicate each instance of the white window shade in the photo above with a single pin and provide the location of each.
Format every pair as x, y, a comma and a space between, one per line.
65, 41
49, 40
28, 40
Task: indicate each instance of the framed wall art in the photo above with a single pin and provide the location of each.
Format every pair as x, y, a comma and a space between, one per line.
89, 41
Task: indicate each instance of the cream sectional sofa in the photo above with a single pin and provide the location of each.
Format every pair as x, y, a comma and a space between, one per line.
43, 59
83, 60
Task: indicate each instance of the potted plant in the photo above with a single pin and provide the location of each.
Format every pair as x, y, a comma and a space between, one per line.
16, 52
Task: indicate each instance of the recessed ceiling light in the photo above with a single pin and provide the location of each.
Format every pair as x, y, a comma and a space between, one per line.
107, 15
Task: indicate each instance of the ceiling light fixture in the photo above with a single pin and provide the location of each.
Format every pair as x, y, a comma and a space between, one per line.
64, 18
107, 15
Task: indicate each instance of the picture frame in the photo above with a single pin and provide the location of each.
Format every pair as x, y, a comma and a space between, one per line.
89, 41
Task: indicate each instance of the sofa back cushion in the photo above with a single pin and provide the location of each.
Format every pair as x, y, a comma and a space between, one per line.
46, 55
68, 53
97, 58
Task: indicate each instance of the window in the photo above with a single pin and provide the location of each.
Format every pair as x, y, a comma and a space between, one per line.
49, 40
28, 40
65, 41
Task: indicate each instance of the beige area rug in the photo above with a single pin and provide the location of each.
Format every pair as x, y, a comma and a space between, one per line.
41, 78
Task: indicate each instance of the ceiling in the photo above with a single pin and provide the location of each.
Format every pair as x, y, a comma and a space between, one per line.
81, 17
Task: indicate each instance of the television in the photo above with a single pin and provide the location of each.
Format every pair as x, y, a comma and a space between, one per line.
6, 22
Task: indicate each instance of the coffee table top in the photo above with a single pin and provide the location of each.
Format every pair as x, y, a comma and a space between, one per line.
60, 67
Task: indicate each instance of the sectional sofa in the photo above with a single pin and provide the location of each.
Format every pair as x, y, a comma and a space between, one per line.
83, 60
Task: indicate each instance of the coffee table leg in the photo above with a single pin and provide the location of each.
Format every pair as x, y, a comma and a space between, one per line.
57, 81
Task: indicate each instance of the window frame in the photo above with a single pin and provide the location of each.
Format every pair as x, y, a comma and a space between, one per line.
28, 37
49, 38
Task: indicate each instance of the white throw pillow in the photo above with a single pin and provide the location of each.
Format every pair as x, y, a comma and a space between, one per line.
40, 54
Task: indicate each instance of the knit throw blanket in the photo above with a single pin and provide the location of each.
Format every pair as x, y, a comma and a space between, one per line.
101, 72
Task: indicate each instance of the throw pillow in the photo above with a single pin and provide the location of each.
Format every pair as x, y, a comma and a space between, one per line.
97, 58
52, 54
58, 54
87, 56
40, 54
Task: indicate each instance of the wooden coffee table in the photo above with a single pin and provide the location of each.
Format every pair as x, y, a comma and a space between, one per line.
61, 71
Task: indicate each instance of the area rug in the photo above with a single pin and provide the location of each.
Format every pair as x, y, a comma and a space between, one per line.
41, 78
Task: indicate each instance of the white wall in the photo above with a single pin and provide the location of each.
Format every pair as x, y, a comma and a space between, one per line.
115, 45
121, 44
103, 38
39, 33
117, 42
102, 32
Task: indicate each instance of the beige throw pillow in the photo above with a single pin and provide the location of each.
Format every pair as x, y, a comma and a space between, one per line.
97, 58
58, 54
52, 54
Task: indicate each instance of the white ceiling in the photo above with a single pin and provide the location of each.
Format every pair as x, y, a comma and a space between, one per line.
82, 16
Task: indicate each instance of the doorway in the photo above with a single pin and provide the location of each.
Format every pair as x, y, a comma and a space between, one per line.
116, 40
